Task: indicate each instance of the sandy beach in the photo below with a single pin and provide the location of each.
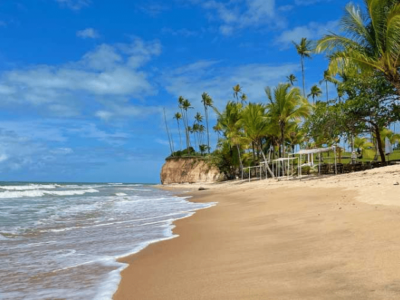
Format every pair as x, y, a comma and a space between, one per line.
328, 238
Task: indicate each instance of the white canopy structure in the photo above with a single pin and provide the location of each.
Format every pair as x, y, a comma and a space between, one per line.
285, 164
311, 152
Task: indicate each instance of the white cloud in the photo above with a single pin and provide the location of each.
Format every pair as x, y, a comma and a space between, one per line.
311, 31
109, 74
75, 4
88, 33
209, 76
309, 2
242, 14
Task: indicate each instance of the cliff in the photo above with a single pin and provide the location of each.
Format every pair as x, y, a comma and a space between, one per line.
188, 170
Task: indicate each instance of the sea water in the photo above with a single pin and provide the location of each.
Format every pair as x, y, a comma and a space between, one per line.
62, 241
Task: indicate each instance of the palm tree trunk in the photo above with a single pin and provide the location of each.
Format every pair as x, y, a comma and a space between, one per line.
240, 161
327, 92
304, 79
208, 133
180, 137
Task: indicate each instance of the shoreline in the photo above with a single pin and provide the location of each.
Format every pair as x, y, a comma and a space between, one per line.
282, 240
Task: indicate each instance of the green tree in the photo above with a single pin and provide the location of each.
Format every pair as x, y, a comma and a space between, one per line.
178, 116
237, 90
304, 49
185, 105
315, 92
371, 105
291, 79
370, 40
285, 105
255, 124
229, 122
207, 102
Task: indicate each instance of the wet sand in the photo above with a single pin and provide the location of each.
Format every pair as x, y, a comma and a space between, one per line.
312, 239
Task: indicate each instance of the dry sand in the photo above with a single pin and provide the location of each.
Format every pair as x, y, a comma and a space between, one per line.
336, 237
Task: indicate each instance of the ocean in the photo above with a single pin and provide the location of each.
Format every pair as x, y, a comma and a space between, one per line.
62, 240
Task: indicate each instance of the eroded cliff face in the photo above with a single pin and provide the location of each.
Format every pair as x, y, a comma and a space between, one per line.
188, 170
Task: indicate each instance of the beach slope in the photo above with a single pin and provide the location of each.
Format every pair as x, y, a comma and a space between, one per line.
298, 240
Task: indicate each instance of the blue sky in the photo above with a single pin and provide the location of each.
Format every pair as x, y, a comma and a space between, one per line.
83, 82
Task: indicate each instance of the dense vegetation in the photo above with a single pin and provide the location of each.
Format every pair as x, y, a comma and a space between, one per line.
364, 61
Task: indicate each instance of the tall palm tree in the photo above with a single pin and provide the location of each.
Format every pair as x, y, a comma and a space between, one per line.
326, 79
178, 116
185, 106
304, 49
237, 89
207, 102
285, 105
370, 40
243, 98
315, 92
291, 79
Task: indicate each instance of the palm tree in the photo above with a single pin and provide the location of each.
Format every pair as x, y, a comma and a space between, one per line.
315, 92
178, 116
304, 49
185, 105
327, 78
370, 41
237, 89
243, 98
198, 117
286, 105
256, 124
228, 121
291, 79
207, 102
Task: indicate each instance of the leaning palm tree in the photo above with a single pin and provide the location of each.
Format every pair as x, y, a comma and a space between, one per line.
370, 40
291, 79
285, 105
304, 49
207, 102
178, 116
315, 92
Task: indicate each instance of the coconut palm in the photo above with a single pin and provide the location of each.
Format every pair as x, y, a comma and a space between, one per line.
315, 92
370, 40
243, 98
185, 105
228, 121
285, 105
365, 146
237, 89
198, 117
207, 102
291, 79
255, 124
328, 78
304, 49
178, 116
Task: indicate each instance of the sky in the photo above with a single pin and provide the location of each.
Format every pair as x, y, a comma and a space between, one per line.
83, 83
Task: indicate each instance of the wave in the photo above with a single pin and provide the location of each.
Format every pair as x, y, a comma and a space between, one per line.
41, 193
120, 194
29, 187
